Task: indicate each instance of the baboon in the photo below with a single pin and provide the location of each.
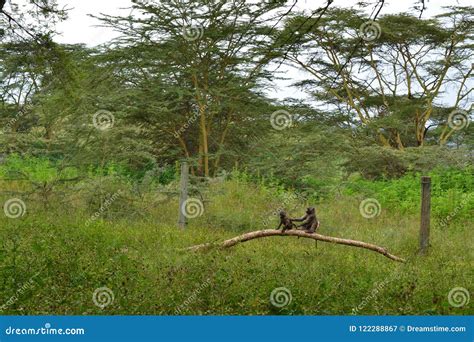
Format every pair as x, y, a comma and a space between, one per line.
285, 221
310, 221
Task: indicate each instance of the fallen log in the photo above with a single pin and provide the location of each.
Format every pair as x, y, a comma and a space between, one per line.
273, 232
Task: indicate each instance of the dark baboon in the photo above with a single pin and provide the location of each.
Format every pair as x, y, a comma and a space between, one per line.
310, 221
285, 221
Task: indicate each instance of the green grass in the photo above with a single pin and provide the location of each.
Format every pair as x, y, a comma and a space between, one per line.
451, 189
141, 260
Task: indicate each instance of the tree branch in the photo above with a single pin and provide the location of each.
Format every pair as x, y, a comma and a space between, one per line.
273, 232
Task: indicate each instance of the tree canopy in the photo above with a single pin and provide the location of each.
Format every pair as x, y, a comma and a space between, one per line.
193, 80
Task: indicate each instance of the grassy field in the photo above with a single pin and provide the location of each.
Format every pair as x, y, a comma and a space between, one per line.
53, 259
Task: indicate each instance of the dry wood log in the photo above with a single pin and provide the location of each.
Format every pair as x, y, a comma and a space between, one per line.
273, 232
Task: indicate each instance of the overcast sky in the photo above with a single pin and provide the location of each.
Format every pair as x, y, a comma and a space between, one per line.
81, 28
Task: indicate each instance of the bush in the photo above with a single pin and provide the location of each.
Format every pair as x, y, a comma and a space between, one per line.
452, 190
383, 163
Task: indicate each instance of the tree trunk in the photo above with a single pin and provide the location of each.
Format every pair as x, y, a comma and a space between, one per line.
205, 148
200, 154
399, 141
273, 232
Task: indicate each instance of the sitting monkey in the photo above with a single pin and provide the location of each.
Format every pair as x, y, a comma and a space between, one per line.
310, 221
285, 221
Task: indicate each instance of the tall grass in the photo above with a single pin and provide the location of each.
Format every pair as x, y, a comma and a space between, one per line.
135, 249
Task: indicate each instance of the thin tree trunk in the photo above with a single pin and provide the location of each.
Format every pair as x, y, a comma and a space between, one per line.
219, 148
399, 141
445, 134
186, 152
200, 154
384, 140
203, 141
205, 148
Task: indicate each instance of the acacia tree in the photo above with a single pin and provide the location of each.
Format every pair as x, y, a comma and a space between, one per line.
35, 19
394, 79
17, 82
27, 58
199, 64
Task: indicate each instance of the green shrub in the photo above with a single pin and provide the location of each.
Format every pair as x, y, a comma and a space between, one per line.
377, 162
451, 189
